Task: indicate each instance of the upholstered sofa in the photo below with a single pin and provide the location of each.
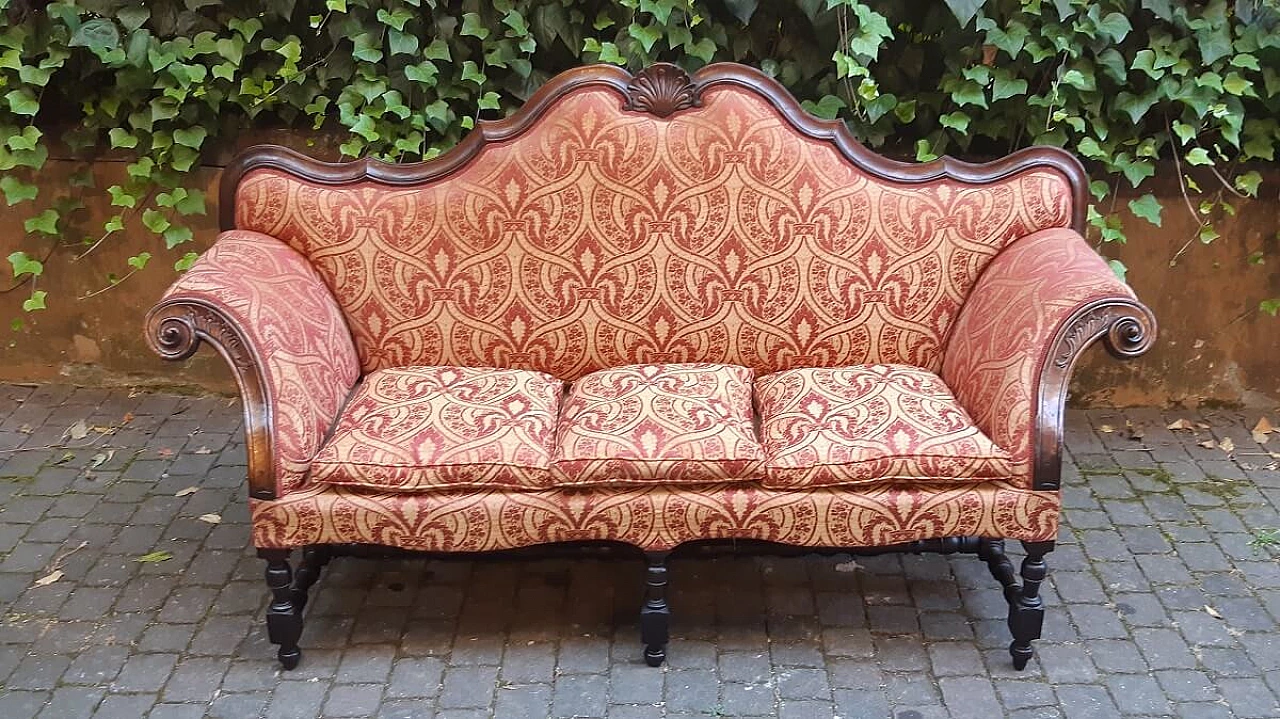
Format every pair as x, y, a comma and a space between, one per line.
652, 310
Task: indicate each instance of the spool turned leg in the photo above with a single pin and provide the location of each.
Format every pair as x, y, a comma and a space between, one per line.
314, 559
284, 619
655, 615
1026, 611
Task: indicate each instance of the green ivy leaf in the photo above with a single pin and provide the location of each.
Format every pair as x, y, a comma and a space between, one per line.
99, 35
1208, 234
185, 262
1002, 88
1247, 183
1237, 85
514, 20
473, 26
402, 43
424, 72
828, 108
1148, 208
23, 264
958, 121
472, 73
155, 221
646, 35
396, 19
46, 222
192, 137
1119, 268
22, 102
964, 10
154, 557
489, 101
1199, 156
176, 235
35, 301
1115, 25
121, 137
120, 198
437, 50
1271, 306
968, 92
1186, 133
140, 260
16, 191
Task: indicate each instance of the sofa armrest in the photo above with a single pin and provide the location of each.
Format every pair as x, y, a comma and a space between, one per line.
266, 310
1034, 310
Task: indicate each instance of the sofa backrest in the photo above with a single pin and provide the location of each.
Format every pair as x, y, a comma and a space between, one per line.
657, 218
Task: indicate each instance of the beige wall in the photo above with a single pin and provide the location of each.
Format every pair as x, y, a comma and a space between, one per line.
1214, 345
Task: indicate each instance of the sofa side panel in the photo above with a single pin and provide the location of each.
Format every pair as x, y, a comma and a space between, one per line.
1011, 327
269, 313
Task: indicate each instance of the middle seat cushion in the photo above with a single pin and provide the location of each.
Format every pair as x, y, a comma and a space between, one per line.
669, 423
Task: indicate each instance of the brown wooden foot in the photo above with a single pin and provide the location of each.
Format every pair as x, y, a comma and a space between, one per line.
284, 619
655, 615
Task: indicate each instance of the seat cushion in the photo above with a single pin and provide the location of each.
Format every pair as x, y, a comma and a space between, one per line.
870, 423
673, 423
422, 428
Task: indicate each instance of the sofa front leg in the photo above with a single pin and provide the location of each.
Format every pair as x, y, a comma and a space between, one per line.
284, 619
655, 615
1026, 611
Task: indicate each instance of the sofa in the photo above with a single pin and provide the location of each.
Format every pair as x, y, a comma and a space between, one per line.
652, 310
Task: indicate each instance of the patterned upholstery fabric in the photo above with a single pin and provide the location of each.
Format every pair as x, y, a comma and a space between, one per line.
678, 424
601, 238
418, 428
869, 423
289, 319
1004, 335
655, 517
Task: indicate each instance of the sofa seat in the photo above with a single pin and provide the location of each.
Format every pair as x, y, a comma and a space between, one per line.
670, 423
427, 428
869, 423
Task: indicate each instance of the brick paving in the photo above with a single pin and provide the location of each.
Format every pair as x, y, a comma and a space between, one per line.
1156, 530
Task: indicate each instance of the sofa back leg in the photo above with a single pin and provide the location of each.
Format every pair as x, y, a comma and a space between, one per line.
1026, 611
655, 615
284, 619
314, 559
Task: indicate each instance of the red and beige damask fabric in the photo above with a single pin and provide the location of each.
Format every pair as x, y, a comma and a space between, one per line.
674, 424
1005, 333
654, 517
288, 318
870, 423
420, 428
601, 238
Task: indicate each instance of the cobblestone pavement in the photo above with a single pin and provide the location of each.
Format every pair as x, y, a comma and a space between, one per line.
1161, 603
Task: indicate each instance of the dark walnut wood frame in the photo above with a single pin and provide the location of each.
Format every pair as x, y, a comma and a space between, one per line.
1127, 328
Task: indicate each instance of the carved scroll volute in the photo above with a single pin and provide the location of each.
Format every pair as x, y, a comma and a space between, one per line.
175, 330
1126, 327
662, 89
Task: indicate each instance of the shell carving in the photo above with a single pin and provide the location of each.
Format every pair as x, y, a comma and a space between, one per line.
662, 89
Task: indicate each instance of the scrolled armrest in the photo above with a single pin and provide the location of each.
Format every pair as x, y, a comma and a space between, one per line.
266, 310
1036, 307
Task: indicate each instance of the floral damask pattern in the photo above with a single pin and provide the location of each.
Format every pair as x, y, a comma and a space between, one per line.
290, 319
655, 517
419, 428
1004, 335
601, 238
676, 424
865, 424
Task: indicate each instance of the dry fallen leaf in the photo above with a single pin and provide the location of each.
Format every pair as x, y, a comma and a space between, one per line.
1181, 424
1202, 425
127, 418
164, 452
49, 578
101, 458
1133, 431
1198, 344
185, 492
210, 518
849, 566
1106, 428
1261, 437
1212, 612
1208, 444
153, 557
203, 450
26, 429
1263, 426
79, 430
1226, 445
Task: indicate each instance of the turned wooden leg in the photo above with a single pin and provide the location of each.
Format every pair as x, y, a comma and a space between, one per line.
992, 552
284, 620
1026, 611
655, 616
314, 559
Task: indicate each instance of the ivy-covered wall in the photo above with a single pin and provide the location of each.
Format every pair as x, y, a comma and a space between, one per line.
1186, 86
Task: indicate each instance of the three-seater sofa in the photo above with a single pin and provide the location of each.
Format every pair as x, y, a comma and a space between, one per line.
652, 309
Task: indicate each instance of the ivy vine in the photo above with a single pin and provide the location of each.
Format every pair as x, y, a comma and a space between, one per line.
1125, 83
